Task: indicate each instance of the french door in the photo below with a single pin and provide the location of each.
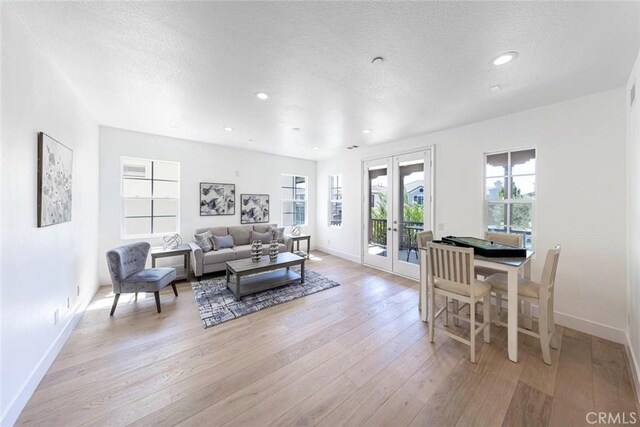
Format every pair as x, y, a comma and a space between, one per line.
397, 206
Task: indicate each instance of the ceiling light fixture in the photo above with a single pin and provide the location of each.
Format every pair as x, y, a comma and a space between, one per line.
262, 95
366, 131
251, 140
353, 147
496, 88
505, 58
228, 129
295, 129
377, 60
315, 148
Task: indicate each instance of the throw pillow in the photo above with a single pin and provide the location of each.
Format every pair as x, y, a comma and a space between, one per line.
222, 242
278, 234
204, 240
263, 237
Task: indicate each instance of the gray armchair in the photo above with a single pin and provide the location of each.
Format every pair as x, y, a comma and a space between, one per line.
128, 275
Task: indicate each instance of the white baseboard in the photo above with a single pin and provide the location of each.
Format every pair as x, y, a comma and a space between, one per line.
11, 414
634, 366
339, 254
592, 328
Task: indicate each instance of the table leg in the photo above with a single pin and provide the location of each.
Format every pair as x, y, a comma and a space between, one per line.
526, 305
227, 274
153, 262
512, 297
309, 247
187, 265
237, 292
302, 271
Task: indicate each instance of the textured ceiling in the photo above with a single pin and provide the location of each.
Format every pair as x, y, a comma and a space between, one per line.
154, 66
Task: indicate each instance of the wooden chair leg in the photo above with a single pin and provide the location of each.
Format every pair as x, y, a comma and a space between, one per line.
445, 321
498, 304
552, 327
175, 291
115, 303
456, 312
157, 295
543, 330
472, 330
432, 313
486, 317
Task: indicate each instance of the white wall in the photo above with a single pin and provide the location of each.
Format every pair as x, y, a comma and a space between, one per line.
581, 197
41, 267
633, 220
250, 171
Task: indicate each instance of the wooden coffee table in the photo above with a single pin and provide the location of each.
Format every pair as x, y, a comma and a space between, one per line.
252, 277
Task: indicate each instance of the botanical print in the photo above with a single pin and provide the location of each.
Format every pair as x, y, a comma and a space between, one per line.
254, 209
217, 199
55, 163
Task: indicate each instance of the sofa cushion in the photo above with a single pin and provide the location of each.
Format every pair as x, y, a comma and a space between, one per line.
219, 256
263, 237
222, 242
241, 234
278, 234
216, 231
282, 247
204, 240
263, 228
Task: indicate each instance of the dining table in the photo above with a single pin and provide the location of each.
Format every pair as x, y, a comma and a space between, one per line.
513, 267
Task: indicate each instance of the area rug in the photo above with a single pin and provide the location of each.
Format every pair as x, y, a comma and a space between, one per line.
217, 304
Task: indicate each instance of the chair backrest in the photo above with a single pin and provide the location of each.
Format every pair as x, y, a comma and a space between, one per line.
423, 237
126, 260
452, 264
511, 239
548, 280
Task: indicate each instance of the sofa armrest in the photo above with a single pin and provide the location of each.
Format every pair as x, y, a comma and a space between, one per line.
197, 259
288, 242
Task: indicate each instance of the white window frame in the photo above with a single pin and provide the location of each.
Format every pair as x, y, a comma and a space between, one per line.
306, 200
333, 201
123, 234
509, 201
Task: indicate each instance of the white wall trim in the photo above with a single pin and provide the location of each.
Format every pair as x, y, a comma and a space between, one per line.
634, 366
592, 328
339, 254
15, 407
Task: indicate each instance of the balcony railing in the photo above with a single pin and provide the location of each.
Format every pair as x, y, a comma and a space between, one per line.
407, 230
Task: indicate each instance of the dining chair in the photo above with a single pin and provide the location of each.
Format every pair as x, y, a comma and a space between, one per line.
451, 275
537, 293
422, 238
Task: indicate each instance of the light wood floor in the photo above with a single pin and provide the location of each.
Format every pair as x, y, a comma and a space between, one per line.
355, 354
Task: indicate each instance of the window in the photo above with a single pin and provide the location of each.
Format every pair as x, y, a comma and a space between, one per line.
335, 200
150, 197
510, 192
294, 200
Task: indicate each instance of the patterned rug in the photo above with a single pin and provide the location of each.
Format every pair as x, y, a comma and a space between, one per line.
217, 304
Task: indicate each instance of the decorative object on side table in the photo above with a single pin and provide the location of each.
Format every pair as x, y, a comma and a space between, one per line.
55, 164
217, 199
256, 250
296, 230
254, 208
273, 251
171, 241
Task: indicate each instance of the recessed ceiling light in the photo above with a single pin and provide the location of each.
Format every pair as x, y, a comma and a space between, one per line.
262, 95
366, 131
315, 148
251, 140
496, 88
505, 57
228, 129
295, 129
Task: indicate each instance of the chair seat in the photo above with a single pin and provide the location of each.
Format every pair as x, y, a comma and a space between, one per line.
458, 288
526, 288
486, 271
149, 280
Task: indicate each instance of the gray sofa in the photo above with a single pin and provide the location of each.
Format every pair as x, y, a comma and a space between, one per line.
212, 261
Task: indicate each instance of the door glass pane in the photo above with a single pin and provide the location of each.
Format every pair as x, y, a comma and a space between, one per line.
378, 186
411, 204
497, 217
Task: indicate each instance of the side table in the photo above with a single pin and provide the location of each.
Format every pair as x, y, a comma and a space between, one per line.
183, 250
296, 240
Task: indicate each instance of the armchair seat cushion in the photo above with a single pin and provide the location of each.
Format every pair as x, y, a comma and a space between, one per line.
219, 256
149, 280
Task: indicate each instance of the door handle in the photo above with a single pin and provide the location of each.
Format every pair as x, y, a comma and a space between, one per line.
395, 229
389, 229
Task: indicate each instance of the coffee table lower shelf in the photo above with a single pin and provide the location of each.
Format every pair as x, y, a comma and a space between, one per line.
260, 282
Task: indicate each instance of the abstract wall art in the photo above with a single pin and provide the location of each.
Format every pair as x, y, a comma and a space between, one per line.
254, 208
55, 165
217, 199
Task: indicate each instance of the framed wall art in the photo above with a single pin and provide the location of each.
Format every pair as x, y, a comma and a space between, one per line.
55, 167
254, 208
217, 199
